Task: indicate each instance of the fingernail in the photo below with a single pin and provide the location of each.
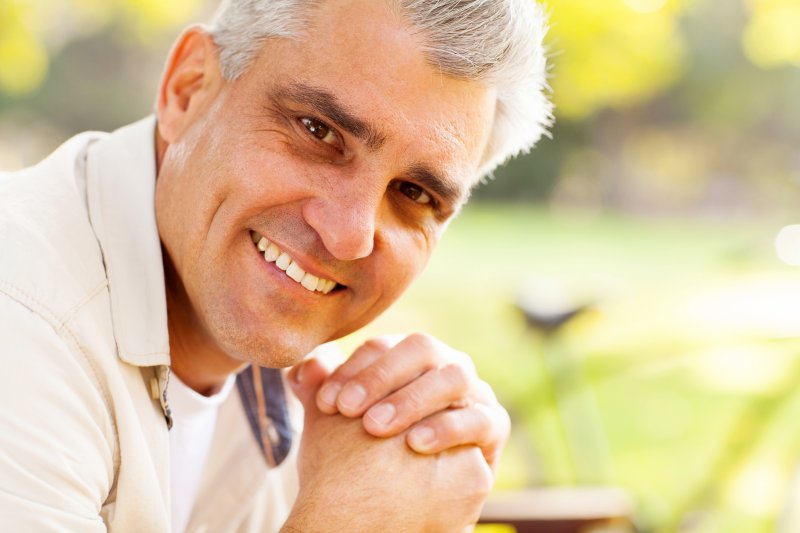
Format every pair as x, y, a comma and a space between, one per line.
422, 438
328, 393
352, 397
382, 414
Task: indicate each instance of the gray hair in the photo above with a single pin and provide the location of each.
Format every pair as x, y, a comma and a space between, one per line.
496, 42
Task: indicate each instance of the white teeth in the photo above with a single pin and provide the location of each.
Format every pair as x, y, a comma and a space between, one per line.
272, 253
284, 261
310, 281
295, 272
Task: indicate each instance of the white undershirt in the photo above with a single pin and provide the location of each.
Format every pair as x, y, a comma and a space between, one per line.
194, 418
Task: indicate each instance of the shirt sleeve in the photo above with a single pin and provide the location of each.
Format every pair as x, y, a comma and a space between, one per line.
56, 461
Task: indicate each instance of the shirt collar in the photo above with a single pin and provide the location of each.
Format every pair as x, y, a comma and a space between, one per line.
121, 177
120, 188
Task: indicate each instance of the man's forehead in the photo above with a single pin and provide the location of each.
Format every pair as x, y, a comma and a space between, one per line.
374, 68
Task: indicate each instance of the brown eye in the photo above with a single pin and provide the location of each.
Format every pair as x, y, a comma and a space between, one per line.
319, 130
414, 192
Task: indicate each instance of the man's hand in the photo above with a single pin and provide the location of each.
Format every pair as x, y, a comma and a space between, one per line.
353, 481
418, 383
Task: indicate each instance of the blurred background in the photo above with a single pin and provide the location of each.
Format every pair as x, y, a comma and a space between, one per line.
623, 287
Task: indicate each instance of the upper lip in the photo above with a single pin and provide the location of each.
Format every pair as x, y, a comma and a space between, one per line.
304, 261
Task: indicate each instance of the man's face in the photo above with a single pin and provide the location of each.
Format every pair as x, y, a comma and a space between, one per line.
346, 150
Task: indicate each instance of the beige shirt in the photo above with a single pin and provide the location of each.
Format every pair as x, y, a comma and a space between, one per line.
85, 354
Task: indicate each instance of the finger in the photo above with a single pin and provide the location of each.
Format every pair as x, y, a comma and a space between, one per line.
437, 389
485, 426
401, 365
326, 357
364, 356
305, 379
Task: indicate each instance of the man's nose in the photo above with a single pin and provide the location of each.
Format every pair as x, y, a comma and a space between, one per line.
346, 223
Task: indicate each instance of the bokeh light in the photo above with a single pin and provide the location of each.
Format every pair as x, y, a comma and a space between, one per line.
771, 38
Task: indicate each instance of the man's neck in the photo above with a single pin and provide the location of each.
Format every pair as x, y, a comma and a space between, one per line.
194, 357
196, 366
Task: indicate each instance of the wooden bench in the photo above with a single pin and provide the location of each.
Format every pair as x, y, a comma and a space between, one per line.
561, 510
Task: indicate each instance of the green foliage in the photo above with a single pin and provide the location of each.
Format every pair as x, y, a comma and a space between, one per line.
33, 30
771, 38
23, 57
613, 53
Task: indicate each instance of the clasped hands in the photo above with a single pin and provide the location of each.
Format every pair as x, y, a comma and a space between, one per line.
401, 437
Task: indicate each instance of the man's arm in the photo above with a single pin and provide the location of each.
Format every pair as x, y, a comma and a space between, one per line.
353, 481
55, 462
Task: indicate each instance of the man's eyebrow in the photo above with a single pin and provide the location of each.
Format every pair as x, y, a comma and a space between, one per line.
447, 189
330, 106
326, 103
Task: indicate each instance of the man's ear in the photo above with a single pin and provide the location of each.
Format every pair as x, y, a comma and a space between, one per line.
191, 77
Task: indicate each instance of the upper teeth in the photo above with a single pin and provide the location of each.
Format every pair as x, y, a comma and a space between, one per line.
282, 260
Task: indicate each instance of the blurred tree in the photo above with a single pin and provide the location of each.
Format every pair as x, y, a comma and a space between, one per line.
32, 31
72, 65
665, 107
23, 57
613, 53
771, 38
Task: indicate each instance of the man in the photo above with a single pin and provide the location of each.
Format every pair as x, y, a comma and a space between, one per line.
304, 160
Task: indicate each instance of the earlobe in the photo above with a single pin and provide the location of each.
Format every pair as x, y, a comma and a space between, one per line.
189, 77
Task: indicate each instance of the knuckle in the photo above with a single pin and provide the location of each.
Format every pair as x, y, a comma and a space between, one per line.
448, 432
376, 344
482, 480
411, 400
485, 391
376, 376
478, 478
365, 353
421, 341
345, 371
339, 376
484, 419
389, 340
484, 484
456, 375
494, 421
468, 483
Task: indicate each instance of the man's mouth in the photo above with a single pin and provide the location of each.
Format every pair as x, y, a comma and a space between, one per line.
284, 261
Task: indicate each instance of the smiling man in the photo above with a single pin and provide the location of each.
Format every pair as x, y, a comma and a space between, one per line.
304, 159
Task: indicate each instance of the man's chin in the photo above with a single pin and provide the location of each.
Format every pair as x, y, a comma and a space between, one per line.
277, 351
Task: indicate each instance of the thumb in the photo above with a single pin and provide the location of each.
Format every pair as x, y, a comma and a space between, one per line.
305, 379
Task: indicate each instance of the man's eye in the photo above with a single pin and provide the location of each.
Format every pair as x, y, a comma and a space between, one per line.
319, 130
414, 192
